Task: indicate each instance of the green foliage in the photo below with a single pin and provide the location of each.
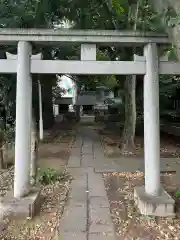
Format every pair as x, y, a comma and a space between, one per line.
47, 176
7, 108
146, 217
168, 84
31, 13
9, 134
147, 19
174, 21
171, 18
89, 14
91, 82
178, 194
108, 81
170, 53
118, 7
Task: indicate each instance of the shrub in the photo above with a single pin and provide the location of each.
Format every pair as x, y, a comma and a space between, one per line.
49, 175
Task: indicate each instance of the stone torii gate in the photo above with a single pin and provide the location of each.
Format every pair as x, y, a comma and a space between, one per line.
148, 65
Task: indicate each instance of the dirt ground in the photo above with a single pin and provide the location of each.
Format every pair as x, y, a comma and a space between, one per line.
53, 152
45, 225
170, 146
129, 223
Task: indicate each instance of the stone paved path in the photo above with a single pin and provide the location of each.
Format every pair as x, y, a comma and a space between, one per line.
102, 164
87, 214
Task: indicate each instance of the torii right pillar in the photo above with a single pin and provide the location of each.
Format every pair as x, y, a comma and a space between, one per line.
152, 199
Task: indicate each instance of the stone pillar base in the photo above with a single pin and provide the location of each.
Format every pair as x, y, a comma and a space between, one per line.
25, 207
162, 206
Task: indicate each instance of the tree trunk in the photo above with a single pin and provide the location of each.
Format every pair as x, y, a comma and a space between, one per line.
130, 115
7, 154
1, 150
77, 111
47, 96
35, 98
130, 98
47, 103
77, 107
1, 158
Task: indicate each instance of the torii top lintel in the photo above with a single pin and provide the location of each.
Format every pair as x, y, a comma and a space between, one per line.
103, 37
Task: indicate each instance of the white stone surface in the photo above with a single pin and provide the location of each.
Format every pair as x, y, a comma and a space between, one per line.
89, 67
41, 133
88, 52
105, 37
162, 205
151, 121
23, 121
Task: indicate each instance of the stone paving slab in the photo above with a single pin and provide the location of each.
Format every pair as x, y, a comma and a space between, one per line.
170, 164
72, 236
106, 170
76, 208
69, 221
76, 152
80, 180
105, 166
99, 213
75, 172
87, 215
100, 221
95, 236
78, 195
99, 155
77, 145
78, 142
96, 185
99, 216
97, 145
99, 202
87, 143
74, 161
87, 152
87, 161
87, 148
79, 190
133, 165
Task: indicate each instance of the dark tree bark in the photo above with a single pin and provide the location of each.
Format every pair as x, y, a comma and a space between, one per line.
1, 150
47, 103
130, 97
47, 81
130, 115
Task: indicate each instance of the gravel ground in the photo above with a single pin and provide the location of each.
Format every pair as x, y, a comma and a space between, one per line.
6, 180
128, 222
170, 147
44, 225
53, 153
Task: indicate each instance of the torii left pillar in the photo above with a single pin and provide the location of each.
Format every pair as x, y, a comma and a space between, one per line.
23, 121
25, 199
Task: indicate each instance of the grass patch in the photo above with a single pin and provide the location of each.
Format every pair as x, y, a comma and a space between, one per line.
47, 176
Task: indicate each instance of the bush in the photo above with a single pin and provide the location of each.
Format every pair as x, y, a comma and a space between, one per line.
49, 175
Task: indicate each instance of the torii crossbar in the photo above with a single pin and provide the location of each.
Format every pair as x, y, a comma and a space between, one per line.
149, 65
